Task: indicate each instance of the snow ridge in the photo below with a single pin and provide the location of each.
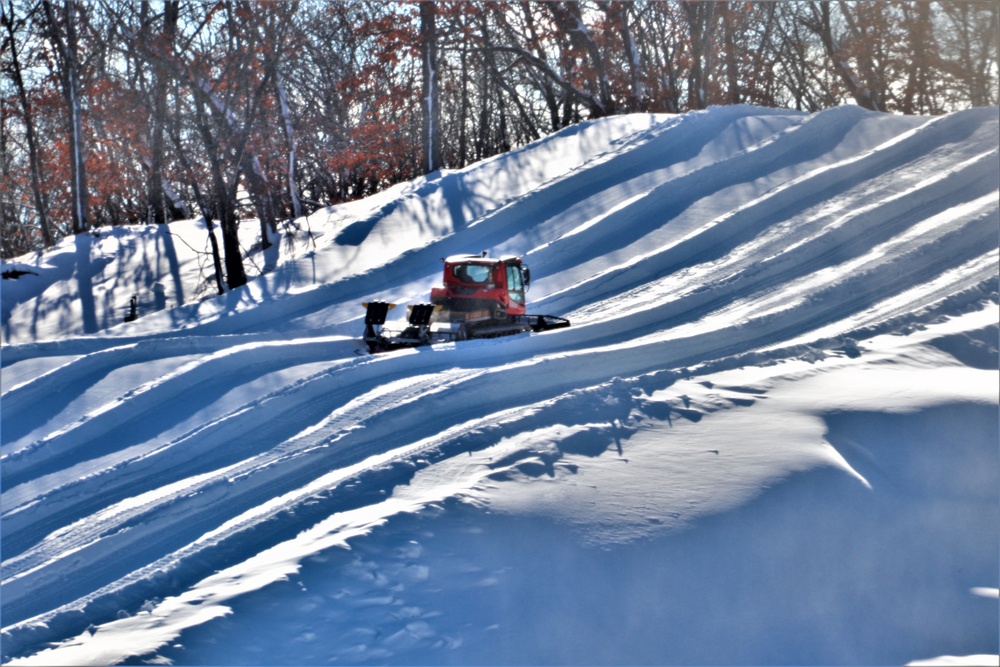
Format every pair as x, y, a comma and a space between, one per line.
151, 468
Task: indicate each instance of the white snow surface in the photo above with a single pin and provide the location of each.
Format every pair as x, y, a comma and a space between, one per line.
769, 437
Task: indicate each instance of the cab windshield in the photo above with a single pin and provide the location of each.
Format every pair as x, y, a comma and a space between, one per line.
472, 273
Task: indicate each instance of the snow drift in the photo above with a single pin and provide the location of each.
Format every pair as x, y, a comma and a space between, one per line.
770, 435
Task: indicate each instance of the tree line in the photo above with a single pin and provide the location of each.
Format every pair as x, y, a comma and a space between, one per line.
121, 112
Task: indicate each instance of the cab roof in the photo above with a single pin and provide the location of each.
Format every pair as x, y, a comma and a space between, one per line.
480, 259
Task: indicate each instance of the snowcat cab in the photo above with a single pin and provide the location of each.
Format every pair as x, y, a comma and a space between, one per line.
480, 297
477, 287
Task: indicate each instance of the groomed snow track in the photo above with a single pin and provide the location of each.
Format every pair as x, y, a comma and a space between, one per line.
136, 463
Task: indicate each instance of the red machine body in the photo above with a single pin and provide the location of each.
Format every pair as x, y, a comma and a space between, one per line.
478, 287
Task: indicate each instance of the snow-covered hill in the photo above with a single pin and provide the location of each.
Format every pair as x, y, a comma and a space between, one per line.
770, 435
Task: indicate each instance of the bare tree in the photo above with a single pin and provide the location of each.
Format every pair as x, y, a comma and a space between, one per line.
661, 40
836, 48
13, 68
297, 105
620, 12
702, 21
569, 18
970, 57
61, 29
155, 191
923, 51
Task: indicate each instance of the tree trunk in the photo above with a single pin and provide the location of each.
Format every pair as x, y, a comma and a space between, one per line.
67, 52
261, 195
206, 213
734, 94
429, 107
225, 203
155, 189
235, 273
617, 13
286, 116
701, 26
463, 108
915, 94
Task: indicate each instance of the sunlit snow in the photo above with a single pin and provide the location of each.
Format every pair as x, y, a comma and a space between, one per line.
769, 437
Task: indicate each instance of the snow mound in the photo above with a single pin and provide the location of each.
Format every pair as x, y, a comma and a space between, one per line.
770, 435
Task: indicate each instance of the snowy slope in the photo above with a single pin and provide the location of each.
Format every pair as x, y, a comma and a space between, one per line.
770, 435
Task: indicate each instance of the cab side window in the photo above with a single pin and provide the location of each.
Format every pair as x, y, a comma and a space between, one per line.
515, 287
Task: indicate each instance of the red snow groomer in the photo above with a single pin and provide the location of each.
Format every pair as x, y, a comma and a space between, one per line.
481, 297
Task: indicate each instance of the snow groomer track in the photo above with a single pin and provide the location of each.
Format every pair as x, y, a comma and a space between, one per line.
155, 474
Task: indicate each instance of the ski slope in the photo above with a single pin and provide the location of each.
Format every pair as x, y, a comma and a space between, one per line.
770, 435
